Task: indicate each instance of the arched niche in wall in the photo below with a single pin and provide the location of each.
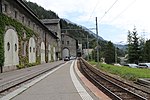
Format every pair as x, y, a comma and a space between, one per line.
42, 52
65, 52
49, 53
32, 50
54, 53
11, 48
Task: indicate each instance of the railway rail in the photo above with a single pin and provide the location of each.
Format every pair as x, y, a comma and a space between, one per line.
10, 85
115, 89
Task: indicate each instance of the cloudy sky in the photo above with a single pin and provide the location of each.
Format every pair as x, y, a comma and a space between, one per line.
115, 17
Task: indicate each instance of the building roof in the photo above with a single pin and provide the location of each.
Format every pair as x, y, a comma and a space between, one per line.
66, 34
50, 21
30, 11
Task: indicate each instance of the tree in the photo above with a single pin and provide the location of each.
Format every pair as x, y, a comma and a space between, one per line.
147, 51
133, 47
109, 53
141, 47
129, 39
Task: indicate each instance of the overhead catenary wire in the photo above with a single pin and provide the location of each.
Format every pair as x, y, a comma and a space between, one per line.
124, 10
108, 10
93, 10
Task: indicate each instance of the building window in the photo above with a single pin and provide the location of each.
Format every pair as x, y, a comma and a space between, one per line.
62, 36
5, 8
34, 50
22, 19
62, 42
29, 23
16, 14
67, 42
33, 26
30, 49
15, 47
37, 29
24, 48
8, 46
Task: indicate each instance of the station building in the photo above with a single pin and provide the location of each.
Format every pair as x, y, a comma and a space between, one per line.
69, 46
55, 26
24, 39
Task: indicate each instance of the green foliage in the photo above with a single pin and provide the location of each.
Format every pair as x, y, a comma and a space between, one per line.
133, 47
138, 50
26, 65
2, 29
109, 53
147, 51
41, 12
125, 72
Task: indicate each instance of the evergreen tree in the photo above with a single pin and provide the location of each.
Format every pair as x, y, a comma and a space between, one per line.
129, 39
109, 53
141, 47
147, 51
133, 47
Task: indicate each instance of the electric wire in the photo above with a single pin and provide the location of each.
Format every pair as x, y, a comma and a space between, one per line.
124, 10
108, 10
93, 10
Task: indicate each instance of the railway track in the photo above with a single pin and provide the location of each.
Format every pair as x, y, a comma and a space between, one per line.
115, 89
11, 85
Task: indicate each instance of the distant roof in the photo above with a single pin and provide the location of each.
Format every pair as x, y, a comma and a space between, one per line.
50, 21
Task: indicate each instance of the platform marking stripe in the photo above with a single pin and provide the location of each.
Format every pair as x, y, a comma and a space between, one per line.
26, 86
82, 92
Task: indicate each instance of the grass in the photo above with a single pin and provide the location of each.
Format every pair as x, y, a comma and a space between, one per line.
123, 71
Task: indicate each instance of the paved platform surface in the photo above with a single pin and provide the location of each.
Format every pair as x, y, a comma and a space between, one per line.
7, 76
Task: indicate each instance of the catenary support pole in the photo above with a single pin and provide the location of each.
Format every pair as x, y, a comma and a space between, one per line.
97, 42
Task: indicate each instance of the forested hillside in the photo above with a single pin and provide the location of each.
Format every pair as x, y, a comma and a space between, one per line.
41, 12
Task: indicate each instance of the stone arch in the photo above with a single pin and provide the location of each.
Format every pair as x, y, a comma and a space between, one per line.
65, 52
32, 50
49, 53
11, 46
42, 52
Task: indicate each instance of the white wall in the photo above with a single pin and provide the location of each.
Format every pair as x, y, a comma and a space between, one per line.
11, 48
32, 50
49, 53
54, 53
42, 52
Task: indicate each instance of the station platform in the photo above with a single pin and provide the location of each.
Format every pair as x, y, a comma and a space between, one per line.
64, 83
14, 74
